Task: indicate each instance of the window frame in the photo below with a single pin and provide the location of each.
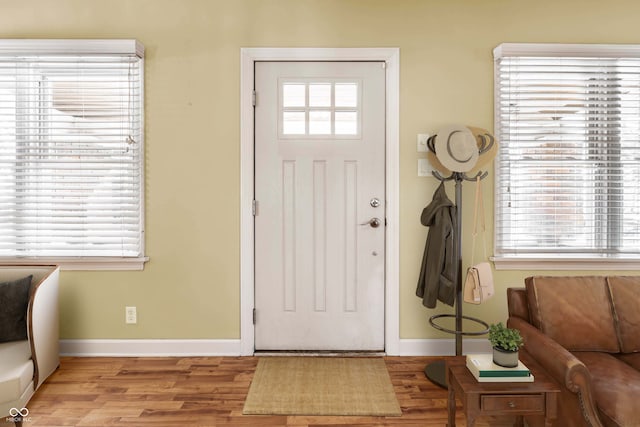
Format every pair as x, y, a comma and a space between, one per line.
555, 261
88, 47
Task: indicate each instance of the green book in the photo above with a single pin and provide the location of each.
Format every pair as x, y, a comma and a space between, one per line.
482, 366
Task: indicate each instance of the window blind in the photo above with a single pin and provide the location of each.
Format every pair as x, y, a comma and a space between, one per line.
568, 171
71, 147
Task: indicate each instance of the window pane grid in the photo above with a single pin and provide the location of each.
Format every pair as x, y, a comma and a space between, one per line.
319, 109
569, 165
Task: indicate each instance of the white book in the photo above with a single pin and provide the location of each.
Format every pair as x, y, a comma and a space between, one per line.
484, 370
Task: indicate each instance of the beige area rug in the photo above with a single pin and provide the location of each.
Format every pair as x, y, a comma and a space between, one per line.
321, 386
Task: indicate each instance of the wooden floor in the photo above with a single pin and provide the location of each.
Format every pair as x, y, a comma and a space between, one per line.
206, 391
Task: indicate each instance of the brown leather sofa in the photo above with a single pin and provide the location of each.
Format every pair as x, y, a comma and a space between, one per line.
585, 332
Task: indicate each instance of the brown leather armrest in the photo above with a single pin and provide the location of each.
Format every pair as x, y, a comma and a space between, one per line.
558, 362
517, 303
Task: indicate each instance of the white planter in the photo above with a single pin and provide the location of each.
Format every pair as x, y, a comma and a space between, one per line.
505, 358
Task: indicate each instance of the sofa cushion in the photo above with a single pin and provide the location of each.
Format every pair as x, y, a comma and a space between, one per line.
14, 299
576, 312
625, 295
16, 369
616, 388
631, 359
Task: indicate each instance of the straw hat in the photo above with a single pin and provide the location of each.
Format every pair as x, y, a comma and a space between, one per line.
487, 150
487, 146
456, 148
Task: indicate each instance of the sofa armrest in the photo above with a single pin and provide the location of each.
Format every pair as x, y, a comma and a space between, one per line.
563, 366
43, 326
517, 303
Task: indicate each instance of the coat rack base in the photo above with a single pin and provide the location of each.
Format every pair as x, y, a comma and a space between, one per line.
435, 372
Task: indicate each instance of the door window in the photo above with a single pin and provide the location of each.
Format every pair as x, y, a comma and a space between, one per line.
312, 109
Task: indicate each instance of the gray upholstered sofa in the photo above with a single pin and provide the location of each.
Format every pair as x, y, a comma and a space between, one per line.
26, 361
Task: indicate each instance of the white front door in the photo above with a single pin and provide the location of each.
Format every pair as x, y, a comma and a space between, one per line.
320, 192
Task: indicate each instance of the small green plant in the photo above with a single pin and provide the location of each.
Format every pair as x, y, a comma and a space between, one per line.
505, 338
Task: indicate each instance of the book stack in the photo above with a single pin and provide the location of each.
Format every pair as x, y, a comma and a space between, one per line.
484, 370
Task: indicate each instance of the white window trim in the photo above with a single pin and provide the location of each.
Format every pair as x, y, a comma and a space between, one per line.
248, 56
566, 262
86, 46
72, 46
83, 264
578, 264
558, 49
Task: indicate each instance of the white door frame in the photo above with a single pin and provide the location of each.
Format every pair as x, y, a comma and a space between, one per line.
248, 56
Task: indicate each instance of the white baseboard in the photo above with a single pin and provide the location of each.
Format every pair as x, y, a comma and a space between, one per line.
442, 347
149, 348
186, 348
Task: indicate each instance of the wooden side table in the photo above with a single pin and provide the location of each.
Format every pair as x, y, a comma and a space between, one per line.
500, 398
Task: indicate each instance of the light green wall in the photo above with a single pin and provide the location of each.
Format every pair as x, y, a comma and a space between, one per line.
190, 288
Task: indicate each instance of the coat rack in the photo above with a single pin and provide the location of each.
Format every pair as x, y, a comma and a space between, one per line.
436, 371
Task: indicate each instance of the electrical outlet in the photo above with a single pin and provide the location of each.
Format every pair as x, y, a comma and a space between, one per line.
131, 315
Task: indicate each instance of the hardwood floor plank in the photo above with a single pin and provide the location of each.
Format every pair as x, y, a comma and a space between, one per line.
208, 391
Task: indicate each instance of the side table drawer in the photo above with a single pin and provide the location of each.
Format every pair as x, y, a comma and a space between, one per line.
516, 403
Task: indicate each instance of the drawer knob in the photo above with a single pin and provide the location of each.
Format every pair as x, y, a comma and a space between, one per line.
511, 405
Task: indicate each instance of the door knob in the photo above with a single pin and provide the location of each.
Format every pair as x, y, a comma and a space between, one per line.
373, 222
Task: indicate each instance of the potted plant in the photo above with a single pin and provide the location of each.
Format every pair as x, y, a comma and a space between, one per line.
505, 342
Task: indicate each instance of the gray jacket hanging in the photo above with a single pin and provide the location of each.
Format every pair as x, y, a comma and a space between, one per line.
437, 280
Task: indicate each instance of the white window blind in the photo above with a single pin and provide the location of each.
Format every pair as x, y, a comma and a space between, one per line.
568, 170
71, 147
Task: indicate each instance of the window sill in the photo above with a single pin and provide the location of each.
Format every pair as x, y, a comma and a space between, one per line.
556, 262
82, 264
